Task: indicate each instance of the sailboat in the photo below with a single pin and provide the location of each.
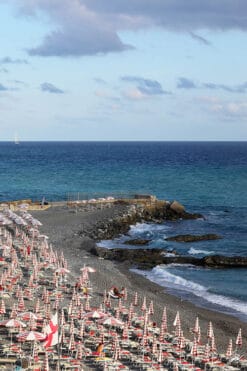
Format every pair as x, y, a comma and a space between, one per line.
16, 141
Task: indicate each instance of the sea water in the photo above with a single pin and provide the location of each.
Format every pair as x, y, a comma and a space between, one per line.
207, 177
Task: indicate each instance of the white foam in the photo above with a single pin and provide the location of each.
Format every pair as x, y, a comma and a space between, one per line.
146, 228
193, 251
164, 278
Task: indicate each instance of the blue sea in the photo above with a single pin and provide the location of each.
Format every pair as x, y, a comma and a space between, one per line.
207, 177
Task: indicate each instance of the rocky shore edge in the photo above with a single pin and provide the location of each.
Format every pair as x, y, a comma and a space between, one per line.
155, 212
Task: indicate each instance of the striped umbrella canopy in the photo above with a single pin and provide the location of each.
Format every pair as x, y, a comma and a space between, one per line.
229, 349
111, 321
95, 314
12, 323
27, 316
88, 269
31, 336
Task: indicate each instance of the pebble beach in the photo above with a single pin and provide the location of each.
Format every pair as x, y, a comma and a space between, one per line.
54, 254
63, 226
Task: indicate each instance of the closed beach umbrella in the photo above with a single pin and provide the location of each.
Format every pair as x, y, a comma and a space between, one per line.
194, 350
196, 327
151, 308
2, 307
144, 305
164, 320
210, 332
176, 321
135, 302
79, 353
206, 352
229, 349
239, 340
213, 345
46, 362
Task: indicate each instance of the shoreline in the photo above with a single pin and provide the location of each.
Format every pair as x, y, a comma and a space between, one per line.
65, 230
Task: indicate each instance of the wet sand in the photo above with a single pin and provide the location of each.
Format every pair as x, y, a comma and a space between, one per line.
65, 230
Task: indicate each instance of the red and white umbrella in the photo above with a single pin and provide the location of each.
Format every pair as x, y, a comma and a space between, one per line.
62, 271
206, 352
144, 305
88, 269
46, 362
213, 345
2, 307
79, 353
13, 323
116, 352
176, 321
194, 350
164, 320
125, 334
210, 332
196, 327
111, 321
135, 302
27, 316
239, 340
229, 349
95, 314
31, 336
151, 308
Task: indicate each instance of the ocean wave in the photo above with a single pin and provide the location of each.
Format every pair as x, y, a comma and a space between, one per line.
164, 278
146, 228
193, 251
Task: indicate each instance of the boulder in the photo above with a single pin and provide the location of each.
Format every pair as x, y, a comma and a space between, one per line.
177, 207
193, 238
137, 242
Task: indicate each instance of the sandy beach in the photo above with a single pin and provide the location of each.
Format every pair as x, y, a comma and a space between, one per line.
65, 230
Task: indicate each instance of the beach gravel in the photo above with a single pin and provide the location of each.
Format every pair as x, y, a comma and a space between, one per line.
65, 229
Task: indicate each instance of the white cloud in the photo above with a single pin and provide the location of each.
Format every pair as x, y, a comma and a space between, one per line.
88, 27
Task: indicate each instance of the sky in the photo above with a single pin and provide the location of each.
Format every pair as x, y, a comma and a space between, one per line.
123, 70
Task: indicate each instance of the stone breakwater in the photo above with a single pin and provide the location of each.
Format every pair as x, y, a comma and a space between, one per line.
130, 212
137, 211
